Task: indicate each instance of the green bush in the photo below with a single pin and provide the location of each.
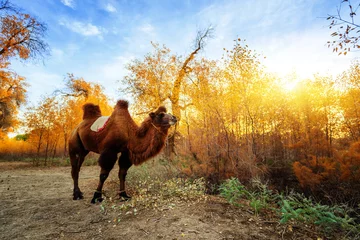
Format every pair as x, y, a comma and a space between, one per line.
301, 209
292, 207
260, 198
232, 190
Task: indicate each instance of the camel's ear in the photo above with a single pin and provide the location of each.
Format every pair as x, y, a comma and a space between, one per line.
152, 115
161, 109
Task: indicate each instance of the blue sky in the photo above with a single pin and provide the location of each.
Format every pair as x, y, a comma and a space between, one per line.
94, 39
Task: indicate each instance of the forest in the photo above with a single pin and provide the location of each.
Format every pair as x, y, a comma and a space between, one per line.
236, 119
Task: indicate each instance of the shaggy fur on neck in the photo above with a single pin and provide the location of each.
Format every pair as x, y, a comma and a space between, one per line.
144, 127
149, 145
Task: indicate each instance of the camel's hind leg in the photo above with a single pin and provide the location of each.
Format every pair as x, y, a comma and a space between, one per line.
107, 161
124, 165
77, 160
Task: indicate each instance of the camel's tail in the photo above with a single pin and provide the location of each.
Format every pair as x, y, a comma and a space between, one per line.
91, 111
122, 104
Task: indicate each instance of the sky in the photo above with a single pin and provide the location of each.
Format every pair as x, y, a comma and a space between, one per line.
95, 39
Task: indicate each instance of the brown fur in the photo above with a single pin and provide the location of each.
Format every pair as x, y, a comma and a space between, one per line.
122, 104
91, 111
121, 134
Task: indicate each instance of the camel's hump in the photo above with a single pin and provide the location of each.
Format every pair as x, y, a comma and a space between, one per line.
91, 110
122, 104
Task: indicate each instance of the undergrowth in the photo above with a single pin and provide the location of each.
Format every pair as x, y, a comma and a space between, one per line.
260, 196
292, 208
90, 160
153, 185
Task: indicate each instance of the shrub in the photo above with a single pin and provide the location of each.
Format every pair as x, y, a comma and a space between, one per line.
232, 190
292, 207
261, 197
301, 209
154, 185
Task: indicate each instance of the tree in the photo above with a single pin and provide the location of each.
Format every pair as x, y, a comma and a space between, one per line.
76, 93
22, 36
12, 95
160, 79
40, 122
346, 28
22, 137
149, 80
244, 74
174, 96
350, 101
225, 97
161, 75
50, 123
81, 91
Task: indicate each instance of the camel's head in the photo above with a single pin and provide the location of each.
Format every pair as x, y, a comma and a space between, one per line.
162, 119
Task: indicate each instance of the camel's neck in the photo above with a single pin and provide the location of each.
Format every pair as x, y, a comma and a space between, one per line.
141, 148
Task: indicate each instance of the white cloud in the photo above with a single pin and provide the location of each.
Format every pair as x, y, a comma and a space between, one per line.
114, 70
303, 52
109, 74
57, 54
289, 33
69, 3
110, 8
42, 83
85, 29
287, 45
61, 55
71, 49
147, 28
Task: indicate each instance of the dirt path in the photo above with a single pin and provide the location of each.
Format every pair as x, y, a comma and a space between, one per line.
37, 204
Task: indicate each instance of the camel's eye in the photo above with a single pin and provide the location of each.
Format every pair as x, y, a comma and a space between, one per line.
161, 115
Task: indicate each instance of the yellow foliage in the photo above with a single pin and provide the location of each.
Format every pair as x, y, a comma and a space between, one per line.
11, 149
21, 35
52, 121
12, 95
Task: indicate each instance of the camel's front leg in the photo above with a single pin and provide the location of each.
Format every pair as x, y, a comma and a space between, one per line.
106, 162
124, 165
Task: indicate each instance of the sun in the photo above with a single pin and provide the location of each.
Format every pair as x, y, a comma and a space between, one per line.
289, 85
288, 82
12, 134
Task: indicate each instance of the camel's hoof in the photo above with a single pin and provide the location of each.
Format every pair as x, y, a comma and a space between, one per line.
97, 198
78, 196
124, 197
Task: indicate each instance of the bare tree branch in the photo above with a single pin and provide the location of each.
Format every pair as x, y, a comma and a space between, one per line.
20, 34
200, 41
347, 32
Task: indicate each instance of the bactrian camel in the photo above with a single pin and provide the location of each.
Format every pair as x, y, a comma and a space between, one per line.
119, 135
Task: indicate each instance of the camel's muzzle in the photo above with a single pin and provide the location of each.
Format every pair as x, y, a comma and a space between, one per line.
173, 120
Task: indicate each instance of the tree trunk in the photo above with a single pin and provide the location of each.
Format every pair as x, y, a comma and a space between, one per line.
65, 143
38, 150
175, 94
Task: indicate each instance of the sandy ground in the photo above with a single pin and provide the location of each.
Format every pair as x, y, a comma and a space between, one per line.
37, 204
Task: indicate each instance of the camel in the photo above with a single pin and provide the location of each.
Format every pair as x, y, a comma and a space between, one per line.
120, 135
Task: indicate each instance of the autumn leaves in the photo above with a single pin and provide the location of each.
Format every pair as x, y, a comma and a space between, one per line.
21, 36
